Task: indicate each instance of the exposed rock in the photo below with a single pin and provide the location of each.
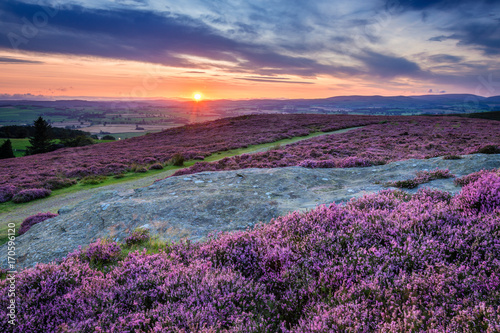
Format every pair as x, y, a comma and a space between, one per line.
192, 207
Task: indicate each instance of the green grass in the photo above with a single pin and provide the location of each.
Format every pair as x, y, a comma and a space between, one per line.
18, 146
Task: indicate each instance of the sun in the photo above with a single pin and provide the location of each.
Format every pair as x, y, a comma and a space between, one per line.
197, 97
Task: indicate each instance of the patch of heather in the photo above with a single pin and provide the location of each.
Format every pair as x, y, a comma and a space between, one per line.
462, 181
400, 139
137, 237
173, 145
421, 178
30, 195
34, 219
386, 262
100, 253
7, 192
481, 195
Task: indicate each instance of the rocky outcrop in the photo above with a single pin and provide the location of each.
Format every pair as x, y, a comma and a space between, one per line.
194, 206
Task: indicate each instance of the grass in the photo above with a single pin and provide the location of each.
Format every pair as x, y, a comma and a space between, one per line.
168, 170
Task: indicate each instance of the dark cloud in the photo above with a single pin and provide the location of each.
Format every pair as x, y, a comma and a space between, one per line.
484, 36
389, 66
273, 80
18, 61
145, 36
441, 4
445, 58
439, 38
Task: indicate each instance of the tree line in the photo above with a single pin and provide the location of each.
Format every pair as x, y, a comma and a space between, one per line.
42, 136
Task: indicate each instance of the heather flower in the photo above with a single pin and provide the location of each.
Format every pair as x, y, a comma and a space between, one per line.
7, 192
100, 253
137, 237
34, 219
30, 195
482, 195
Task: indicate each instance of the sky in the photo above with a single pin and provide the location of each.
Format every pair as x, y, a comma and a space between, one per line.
234, 49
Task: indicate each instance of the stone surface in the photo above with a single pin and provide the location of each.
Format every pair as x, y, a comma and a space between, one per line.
194, 206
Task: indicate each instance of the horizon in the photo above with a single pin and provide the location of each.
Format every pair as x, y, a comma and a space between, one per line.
181, 99
235, 50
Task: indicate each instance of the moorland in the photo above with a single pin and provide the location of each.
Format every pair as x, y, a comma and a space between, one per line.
391, 261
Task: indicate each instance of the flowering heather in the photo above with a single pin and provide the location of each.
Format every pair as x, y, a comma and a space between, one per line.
7, 192
101, 252
137, 237
385, 262
34, 219
400, 139
176, 145
31, 194
480, 196
422, 178
462, 181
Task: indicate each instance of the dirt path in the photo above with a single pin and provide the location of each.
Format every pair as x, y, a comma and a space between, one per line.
55, 202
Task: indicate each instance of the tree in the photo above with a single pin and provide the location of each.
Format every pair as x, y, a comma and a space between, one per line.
41, 141
6, 150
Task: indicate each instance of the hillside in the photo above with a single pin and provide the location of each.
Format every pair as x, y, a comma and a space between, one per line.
385, 262
311, 236
63, 167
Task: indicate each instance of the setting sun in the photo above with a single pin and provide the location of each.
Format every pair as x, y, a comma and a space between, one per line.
197, 97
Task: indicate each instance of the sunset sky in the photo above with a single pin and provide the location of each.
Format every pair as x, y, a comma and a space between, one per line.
247, 49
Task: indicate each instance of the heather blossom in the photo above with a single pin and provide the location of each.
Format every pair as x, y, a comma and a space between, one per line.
385, 262
34, 219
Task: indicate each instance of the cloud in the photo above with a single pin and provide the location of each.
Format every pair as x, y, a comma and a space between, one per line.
439, 4
28, 96
388, 66
164, 38
18, 61
484, 36
445, 58
439, 38
273, 80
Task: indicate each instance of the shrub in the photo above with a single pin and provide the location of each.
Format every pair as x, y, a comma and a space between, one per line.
100, 253
481, 195
422, 177
93, 179
56, 183
34, 219
489, 149
141, 170
452, 157
7, 192
137, 237
31, 194
156, 166
176, 160
462, 181
108, 137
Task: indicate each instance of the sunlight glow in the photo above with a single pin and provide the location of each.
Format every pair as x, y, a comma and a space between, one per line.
197, 97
